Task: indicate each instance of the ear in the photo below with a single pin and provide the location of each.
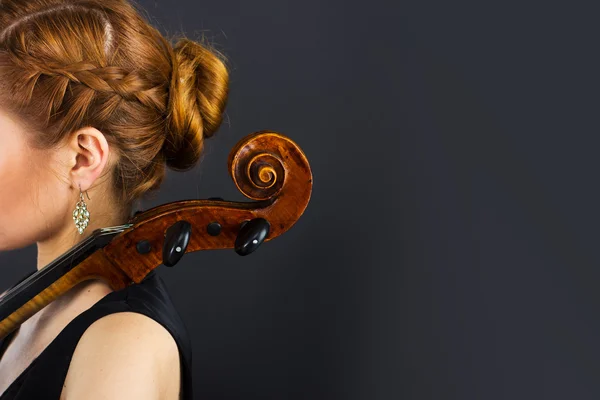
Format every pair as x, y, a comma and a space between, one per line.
90, 152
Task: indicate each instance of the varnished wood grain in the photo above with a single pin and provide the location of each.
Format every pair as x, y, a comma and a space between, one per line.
266, 167
95, 266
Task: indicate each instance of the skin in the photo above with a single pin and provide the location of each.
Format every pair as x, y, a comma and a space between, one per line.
120, 356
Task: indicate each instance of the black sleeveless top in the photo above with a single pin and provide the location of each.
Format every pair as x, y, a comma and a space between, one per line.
44, 377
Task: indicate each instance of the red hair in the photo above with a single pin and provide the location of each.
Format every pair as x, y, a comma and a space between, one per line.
68, 64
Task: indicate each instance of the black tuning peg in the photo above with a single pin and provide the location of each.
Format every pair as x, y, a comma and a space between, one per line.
177, 238
251, 235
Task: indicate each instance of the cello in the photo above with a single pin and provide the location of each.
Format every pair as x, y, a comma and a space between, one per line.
266, 167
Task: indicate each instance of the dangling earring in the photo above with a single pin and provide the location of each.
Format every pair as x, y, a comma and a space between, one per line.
81, 215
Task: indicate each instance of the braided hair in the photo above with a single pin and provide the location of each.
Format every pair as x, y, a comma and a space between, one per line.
68, 64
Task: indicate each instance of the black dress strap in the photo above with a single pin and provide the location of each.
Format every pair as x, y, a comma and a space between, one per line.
44, 378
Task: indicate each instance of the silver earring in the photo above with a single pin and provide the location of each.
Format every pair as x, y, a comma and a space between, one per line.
81, 215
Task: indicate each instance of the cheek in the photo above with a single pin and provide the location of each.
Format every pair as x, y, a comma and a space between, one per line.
14, 182
33, 200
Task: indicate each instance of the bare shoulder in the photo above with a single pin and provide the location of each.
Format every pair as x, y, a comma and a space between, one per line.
124, 355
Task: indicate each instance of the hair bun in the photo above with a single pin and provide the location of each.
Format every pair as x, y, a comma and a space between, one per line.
197, 98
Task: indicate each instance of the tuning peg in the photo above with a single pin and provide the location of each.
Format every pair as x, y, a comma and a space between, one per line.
251, 235
177, 238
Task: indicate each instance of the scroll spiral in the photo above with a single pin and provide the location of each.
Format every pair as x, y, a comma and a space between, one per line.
260, 162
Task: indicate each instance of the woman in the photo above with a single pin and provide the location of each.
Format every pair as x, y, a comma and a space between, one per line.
94, 103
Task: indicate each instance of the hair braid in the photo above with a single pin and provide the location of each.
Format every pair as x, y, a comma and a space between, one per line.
67, 64
130, 86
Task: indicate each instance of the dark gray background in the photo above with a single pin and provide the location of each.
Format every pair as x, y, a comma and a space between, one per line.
450, 247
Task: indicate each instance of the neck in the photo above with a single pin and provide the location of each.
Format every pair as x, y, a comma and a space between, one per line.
84, 294
67, 237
